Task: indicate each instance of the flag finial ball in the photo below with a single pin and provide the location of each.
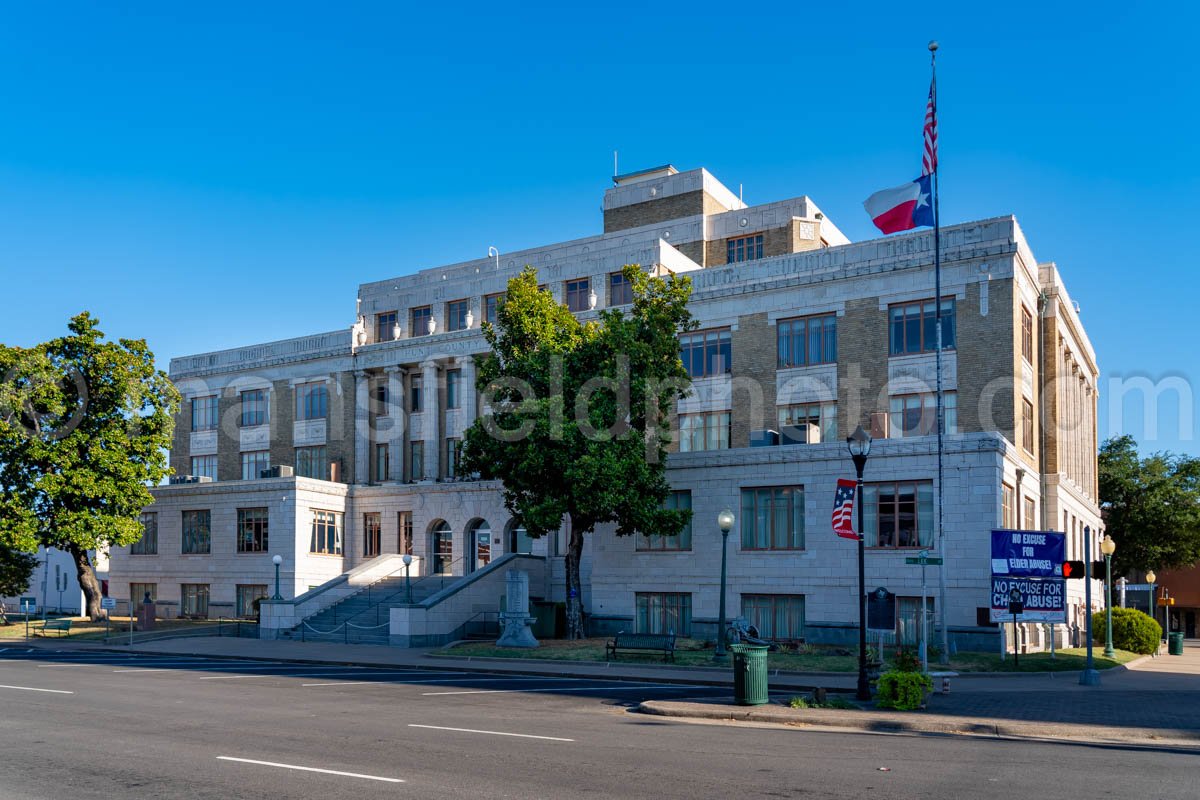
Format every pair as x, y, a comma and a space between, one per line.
933, 46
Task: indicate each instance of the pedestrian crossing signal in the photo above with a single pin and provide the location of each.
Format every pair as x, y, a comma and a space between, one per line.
1073, 570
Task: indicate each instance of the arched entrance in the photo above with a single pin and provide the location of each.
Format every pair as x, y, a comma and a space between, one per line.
441, 547
519, 541
479, 540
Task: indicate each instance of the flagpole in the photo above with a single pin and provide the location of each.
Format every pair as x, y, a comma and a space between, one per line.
941, 410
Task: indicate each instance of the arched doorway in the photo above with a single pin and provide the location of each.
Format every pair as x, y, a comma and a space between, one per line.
519, 541
441, 547
479, 540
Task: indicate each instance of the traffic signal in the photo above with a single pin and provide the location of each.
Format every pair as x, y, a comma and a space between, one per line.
1073, 570
1098, 571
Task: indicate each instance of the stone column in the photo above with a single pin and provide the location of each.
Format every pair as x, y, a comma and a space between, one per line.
399, 423
362, 428
431, 408
468, 401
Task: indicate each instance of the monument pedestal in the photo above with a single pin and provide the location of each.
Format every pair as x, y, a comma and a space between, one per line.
515, 618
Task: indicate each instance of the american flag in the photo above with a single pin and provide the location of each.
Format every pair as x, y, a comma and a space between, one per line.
929, 159
843, 509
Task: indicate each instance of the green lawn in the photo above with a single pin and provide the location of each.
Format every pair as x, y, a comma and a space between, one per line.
693, 652
85, 630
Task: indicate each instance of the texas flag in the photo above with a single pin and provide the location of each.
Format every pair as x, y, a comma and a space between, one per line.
902, 208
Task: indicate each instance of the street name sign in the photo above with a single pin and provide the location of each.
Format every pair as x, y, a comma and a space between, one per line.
924, 560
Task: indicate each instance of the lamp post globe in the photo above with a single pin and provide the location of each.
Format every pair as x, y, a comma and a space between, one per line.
725, 522
859, 445
1108, 547
407, 559
277, 560
1150, 579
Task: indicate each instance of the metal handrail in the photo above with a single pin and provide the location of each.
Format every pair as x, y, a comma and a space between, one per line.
369, 589
440, 577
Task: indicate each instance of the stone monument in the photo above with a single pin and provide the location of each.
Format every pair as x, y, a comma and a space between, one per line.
515, 618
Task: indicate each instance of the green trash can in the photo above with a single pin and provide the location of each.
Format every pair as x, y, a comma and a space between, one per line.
749, 674
1175, 644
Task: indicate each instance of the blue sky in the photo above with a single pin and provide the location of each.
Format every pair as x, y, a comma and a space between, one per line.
211, 175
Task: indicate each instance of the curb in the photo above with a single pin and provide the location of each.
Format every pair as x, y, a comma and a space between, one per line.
915, 723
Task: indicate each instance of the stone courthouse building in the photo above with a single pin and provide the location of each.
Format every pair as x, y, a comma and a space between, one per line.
338, 452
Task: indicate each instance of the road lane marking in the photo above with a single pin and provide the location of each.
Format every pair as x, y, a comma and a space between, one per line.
494, 733
310, 769
569, 689
439, 680
304, 673
34, 689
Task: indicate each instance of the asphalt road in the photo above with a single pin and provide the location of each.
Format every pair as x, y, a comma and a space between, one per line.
77, 726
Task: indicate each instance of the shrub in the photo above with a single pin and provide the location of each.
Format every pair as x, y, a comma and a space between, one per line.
1133, 630
903, 690
907, 661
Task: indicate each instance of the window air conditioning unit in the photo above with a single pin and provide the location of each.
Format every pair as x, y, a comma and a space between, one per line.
176, 480
767, 438
805, 433
279, 471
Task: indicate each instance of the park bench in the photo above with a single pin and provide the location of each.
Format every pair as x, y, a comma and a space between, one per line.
63, 626
655, 642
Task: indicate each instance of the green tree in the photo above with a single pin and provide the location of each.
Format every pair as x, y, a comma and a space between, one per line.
16, 570
576, 428
1151, 506
84, 428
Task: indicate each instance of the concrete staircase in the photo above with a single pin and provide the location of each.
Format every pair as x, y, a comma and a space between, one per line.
363, 618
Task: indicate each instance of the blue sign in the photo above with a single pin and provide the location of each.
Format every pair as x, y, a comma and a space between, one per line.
1044, 600
1028, 554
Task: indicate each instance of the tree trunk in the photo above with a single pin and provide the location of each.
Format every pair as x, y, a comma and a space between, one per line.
574, 592
87, 582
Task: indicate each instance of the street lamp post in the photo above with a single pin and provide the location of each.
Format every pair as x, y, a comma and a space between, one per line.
407, 559
725, 523
277, 560
1108, 547
859, 444
1150, 578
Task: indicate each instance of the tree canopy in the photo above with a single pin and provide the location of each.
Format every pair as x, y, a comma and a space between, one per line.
578, 425
84, 428
1151, 506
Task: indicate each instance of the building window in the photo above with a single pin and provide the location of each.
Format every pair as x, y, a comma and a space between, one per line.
254, 408
456, 315
1008, 507
777, 616
577, 294
419, 321
193, 600
326, 533
914, 327
416, 385
196, 532
491, 302
147, 545
372, 534
204, 413
382, 462
898, 514
312, 401
252, 530
204, 466
681, 501
139, 591
405, 527
1026, 335
1030, 514
1027, 425
254, 463
706, 353
384, 323
248, 595
664, 612
312, 462
453, 387
453, 456
822, 416
620, 290
442, 547
416, 460
709, 431
380, 398
916, 414
744, 248
908, 620
808, 340
773, 518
